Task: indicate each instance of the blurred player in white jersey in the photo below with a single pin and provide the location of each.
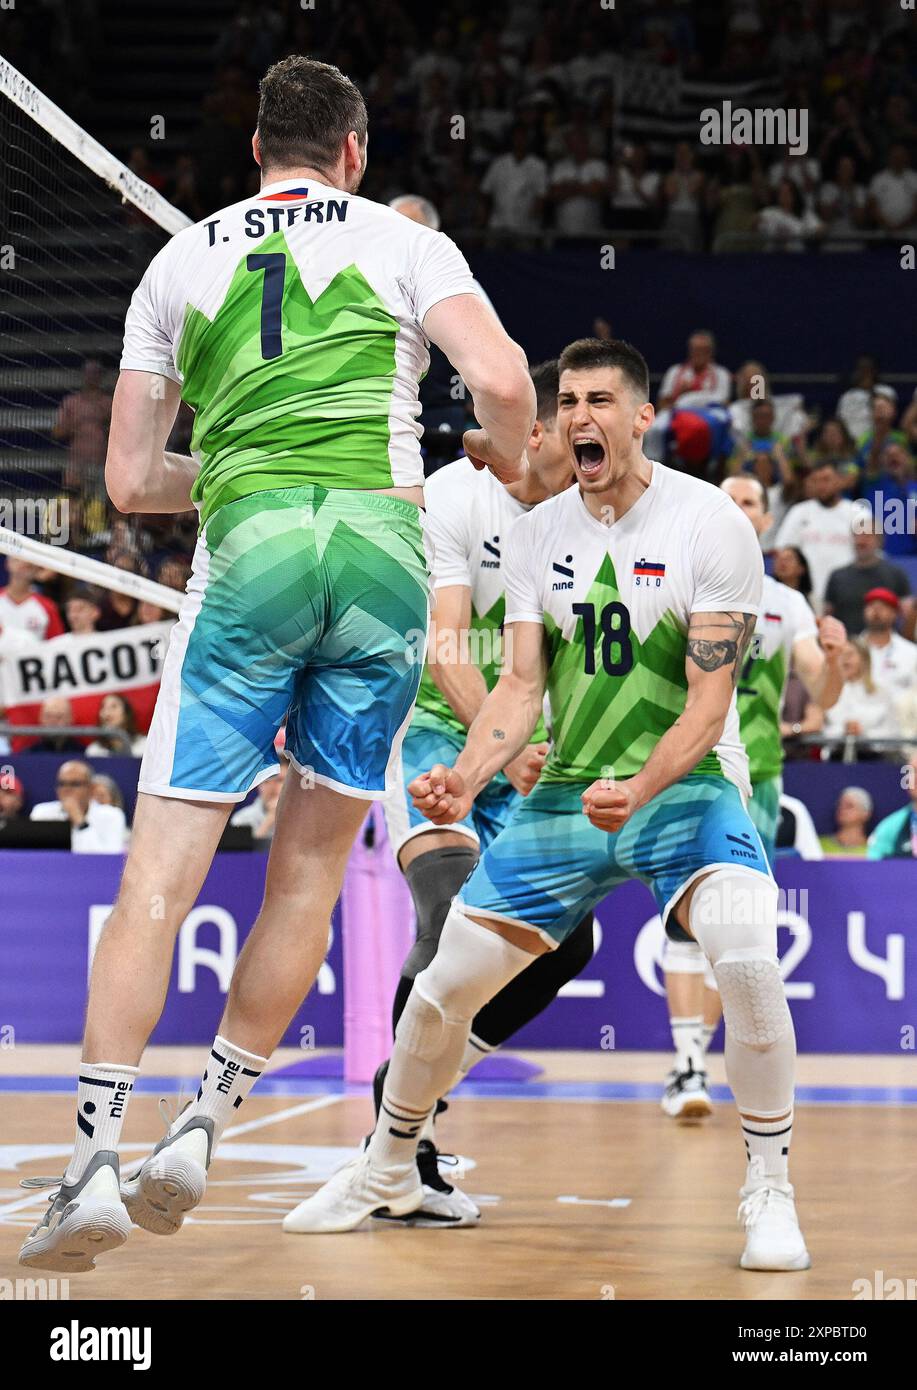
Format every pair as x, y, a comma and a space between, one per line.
787, 634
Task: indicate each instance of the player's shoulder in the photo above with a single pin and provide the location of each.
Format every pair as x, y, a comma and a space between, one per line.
452, 483
698, 501
549, 518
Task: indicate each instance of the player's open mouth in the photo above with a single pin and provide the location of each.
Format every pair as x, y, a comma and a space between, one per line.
589, 456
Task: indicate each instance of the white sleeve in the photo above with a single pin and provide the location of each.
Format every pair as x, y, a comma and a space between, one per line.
104, 834
728, 564
447, 527
789, 529
148, 341
802, 622
439, 272
523, 595
723, 385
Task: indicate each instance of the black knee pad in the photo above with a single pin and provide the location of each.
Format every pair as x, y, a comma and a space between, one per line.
434, 879
528, 994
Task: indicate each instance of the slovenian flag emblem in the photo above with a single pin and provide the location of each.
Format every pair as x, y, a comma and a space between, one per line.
653, 568
286, 195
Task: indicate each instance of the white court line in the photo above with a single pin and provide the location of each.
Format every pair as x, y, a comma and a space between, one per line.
321, 1104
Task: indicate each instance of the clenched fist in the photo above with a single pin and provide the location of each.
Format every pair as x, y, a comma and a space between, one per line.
480, 449
441, 795
609, 805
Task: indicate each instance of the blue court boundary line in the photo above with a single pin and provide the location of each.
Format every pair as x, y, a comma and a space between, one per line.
480, 1090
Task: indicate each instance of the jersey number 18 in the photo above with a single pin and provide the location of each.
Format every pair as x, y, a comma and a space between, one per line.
614, 623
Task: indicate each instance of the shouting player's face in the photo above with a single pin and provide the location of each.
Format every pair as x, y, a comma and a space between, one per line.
603, 420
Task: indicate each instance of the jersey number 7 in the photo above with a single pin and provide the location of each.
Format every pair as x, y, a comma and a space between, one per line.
274, 266
614, 622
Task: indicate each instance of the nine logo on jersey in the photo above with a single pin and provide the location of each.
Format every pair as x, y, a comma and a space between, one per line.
492, 549
566, 583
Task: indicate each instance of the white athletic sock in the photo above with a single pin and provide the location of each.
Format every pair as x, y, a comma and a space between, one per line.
687, 1037
230, 1074
767, 1143
103, 1092
708, 1034
471, 965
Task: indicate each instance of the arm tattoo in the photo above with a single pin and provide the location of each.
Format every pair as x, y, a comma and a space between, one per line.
726, 637
498, 733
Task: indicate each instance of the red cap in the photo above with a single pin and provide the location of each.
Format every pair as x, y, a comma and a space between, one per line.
692, 436
882, 596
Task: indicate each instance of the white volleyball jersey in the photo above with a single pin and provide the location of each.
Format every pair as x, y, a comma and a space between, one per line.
785, 617
616, 602
468, 516
292, 321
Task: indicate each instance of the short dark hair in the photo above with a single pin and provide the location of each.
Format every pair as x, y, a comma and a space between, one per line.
545, 378
307, 110
588, 353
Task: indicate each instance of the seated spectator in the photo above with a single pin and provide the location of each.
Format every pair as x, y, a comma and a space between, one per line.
260, 813
822, 527
852, 815
834, 445
863, 711
734, 196
842, 208
147, 612
894, 658
800, 718
174, 573
792, 569
115, 712
681, 197
845, 595
12, 798
893, 195
96, 829
22, 607
106, 791
891, 494
118, 609
13, 642
635, 191
698, 380
516, 184
801, 170
786, 224
81, 423
579, 185
83, 609
765, 453
57, 712
752, 384
855, 406
881, 431
895, 837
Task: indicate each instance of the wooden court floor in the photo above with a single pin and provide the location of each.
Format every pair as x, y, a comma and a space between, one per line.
582, 1198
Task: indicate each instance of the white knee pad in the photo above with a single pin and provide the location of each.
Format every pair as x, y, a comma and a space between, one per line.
683, 958
733, 917
471, 965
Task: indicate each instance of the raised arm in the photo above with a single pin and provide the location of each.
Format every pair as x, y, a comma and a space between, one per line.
139, 474
494, 371
818, 662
